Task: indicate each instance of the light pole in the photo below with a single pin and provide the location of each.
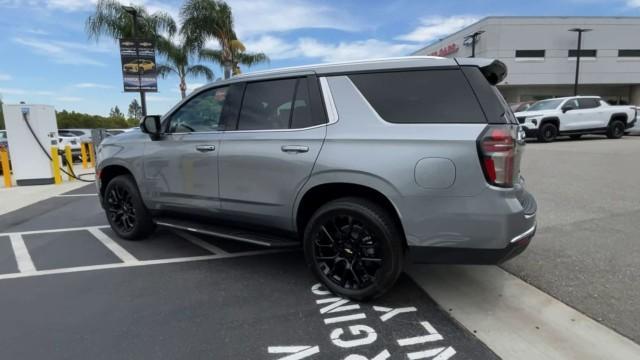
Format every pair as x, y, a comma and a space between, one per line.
474, 38
579, 31
134, 14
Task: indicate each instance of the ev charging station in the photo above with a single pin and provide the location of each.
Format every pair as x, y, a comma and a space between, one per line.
31, 131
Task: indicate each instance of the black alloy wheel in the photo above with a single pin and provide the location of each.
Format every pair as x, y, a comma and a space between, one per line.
347, 252
126, 212
547, 132
120, 208
355, 247
616, 129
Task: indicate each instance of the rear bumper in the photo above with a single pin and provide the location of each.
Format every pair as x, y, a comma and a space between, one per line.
498, 231
466, 256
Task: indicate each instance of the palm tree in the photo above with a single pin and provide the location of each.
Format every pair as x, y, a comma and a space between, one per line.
178, 62
213, 19
111, 20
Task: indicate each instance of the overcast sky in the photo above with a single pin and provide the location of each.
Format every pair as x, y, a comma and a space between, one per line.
45, 56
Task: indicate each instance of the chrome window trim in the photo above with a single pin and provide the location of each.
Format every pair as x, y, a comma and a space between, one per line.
330, 105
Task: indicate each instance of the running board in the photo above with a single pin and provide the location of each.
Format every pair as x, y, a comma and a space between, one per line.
228, 233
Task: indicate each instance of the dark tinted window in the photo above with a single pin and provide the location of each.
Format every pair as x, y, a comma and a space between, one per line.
302, 107
529, 53
201, 113
588, 103
428, 96
583, 53
629, 53
495, 108
267, 105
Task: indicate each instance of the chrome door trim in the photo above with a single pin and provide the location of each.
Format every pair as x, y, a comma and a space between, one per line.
332, 111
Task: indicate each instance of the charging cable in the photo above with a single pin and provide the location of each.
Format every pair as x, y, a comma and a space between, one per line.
44, 150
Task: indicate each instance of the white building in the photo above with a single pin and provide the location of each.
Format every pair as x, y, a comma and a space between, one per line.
540, 55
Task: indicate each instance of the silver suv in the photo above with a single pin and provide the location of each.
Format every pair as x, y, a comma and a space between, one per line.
366, 165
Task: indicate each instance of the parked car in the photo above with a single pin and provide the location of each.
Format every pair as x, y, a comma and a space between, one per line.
83, 134
635, 129
360, 163
72, 141
139, 66
521, 106
576, 116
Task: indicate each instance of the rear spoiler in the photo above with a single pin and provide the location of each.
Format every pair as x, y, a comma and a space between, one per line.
493, 70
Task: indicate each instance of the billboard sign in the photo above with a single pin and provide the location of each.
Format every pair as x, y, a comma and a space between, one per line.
139, 70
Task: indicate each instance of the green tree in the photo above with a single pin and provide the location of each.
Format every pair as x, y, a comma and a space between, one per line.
135, 110
178, 63
203, 20
115, 113
111, 20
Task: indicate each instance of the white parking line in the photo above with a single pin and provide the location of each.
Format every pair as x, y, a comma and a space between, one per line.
53, 230
199, 242
25, 264
517, 320
120, 252
140, 263
74, 195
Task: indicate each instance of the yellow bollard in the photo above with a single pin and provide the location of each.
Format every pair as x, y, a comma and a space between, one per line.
55, 165
83, 154
92, 155
69, 158
6, 170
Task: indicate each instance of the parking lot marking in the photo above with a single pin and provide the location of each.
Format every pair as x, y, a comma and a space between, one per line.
297, 352
199, 242
25, 264
140, 263
31, 232
120, 252
74, 195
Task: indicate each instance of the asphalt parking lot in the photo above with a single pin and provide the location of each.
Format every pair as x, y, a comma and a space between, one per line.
587, 249
72, 289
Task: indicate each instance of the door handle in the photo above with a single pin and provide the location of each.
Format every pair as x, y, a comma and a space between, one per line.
295, 148
205, 148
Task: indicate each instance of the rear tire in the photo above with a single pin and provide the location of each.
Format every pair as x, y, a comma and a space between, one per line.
355, 248
547, 132
615, 129
126, 213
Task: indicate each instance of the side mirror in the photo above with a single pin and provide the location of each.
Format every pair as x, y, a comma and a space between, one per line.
151, 125
567, 108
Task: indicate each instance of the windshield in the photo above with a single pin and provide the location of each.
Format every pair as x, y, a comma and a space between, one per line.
545, 105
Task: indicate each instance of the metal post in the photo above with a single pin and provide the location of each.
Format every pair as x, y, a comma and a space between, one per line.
575, 83
474, 37
578, 54
6, 169
55, 164
143, 99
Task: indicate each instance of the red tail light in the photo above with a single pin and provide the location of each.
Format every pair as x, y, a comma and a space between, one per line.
497, 150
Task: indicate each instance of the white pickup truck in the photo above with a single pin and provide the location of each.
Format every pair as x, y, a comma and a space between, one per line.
575, 116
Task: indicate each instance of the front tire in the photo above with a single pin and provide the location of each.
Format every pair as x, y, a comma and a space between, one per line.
615, 129
126, 213
354, 247
547, 132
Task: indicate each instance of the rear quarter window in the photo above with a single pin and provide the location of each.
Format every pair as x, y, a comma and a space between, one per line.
422, 96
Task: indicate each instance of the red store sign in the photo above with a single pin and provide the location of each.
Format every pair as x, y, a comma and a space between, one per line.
447, 50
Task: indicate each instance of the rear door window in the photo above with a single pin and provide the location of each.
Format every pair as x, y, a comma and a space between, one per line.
588, 103
267, 105
279, 104
425, 96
